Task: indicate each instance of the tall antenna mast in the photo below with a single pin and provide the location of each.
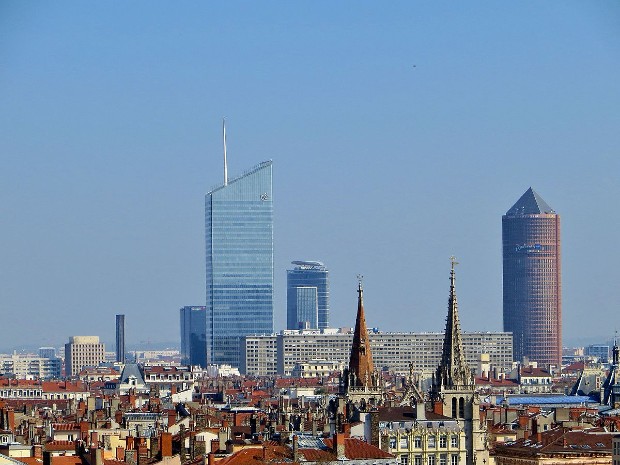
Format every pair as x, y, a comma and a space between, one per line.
225, 162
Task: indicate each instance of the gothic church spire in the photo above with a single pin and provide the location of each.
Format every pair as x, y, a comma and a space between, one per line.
454, 371
361, 368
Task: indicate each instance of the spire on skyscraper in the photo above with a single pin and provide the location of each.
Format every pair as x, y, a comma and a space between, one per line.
530, 203
361, 368
453, 372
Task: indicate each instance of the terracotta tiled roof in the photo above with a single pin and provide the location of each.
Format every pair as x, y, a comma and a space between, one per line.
259, 455
55, 386
355, 449
59, 445
534, 372
65, 426
56, 460
298, 382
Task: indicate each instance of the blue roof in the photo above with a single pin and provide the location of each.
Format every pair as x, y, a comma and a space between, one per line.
547, 400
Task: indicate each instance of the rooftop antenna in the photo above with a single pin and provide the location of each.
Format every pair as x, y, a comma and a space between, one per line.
225, 162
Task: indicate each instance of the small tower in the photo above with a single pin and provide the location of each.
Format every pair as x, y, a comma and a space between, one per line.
453, 391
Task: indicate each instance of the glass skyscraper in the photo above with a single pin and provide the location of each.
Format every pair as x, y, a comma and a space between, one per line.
194, 336
239, 249
307, 296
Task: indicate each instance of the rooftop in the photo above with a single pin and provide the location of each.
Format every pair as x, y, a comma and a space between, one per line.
530, 203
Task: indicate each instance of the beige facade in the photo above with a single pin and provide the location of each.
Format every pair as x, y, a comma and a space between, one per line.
82, 352
425, 442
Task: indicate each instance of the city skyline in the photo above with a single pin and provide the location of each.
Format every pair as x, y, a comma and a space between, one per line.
399, 134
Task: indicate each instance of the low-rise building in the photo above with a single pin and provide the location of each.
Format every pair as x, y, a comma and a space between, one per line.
316, 368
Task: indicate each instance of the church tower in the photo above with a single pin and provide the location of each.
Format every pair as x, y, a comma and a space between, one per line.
453, 390
361, 380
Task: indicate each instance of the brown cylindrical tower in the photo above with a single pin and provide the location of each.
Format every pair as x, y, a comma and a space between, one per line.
533, 279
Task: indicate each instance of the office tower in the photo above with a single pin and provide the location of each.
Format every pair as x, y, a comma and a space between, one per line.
47, 352
194, 336
120, 338
239, 256
307, 296
533, 279
82, 352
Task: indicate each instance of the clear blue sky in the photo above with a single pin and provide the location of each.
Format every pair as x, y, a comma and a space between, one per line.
400, 133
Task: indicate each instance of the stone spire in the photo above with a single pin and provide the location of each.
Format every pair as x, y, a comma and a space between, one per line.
454, 371
361, 369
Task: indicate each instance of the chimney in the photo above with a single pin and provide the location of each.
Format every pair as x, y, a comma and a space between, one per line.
94, 439
339, 445
211, 459
37, 451
84, 430
253, 426
118, 417
143, 454
129, 442
130, 456
10, 416
215, 445
166, 445
96, 456
172, 417
295, 449
120, 454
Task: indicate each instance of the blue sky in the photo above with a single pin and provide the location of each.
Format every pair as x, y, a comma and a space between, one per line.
400, 133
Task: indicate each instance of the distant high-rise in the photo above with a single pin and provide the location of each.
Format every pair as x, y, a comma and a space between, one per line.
47, 352
194, 336
239, 256
120, 338
307, 296
82, 352
533, 279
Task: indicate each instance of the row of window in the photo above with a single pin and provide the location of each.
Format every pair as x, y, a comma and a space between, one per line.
431, 442
431, 460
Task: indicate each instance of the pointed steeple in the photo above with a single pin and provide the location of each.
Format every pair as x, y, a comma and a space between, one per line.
361, 368
530, 203
454, 371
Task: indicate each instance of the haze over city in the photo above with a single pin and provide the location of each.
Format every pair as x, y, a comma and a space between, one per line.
399, 136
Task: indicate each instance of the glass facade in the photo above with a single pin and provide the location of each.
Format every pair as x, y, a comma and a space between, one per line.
194, 336
239, 250
299, 302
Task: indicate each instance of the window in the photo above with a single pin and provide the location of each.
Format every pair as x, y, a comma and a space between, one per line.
417, 460
431, 460
404, 460
454, 460
454, 442
443, 459
404, 443
392, 442
443, 440
431, 441
417, 441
